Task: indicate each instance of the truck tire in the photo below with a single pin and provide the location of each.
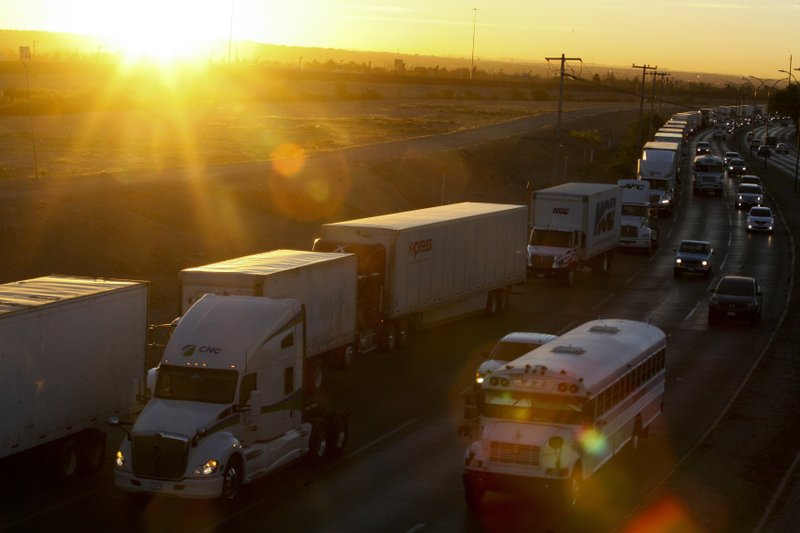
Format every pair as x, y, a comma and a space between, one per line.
93, 452
338, 434
473, 493
231, 480
318, 443
66, 461
388, 338
346, 356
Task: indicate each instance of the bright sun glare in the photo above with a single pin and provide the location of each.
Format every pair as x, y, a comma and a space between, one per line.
165, 30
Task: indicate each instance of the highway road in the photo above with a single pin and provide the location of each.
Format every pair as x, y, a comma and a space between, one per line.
401, 471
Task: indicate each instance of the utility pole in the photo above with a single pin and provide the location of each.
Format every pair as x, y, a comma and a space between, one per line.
472, 57
653, 103
644, 68
563, 59
662, 75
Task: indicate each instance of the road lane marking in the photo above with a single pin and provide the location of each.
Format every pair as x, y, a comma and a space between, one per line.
687, 317
382, 438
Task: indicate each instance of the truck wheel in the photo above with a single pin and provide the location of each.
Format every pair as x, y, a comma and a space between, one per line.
93, 452
66, 461
318, 444
337, 434
402, 334
388, 338
231, 480
347, 356
473, 493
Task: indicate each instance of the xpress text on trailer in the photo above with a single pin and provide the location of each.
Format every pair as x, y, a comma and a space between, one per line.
418, 268
325, 283
229, 404
73, 354
574, 225
604, 378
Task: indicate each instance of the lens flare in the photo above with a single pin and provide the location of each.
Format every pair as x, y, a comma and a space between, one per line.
664, 516
593, 442
288, 159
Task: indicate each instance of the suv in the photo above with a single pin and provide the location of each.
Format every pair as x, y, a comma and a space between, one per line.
751, 179
508, 348
693, 256
748, 195
730, 156
735, 297
764, 150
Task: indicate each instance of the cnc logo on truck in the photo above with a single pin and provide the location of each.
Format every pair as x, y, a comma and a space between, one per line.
190, 349
604, 216
561, 210
420, 247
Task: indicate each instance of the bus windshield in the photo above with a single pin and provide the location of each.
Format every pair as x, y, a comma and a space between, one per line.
528, 407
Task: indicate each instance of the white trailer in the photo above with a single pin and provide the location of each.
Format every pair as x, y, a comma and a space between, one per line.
423, 267
324, 282
660, 165
229, 404
636, 232
73, 354
574, 225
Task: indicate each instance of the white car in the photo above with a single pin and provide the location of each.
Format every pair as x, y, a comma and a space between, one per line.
730, 156
760, 219
508, 348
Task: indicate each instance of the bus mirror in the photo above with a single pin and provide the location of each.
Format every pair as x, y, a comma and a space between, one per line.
464, 430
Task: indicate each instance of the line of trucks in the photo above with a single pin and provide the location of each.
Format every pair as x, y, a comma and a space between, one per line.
237, 391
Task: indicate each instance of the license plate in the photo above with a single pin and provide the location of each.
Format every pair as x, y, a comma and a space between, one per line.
156, 485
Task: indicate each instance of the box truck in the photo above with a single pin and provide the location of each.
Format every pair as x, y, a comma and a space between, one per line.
73, 354
229, 404
423, 267
635, 230
325, 283
574, 225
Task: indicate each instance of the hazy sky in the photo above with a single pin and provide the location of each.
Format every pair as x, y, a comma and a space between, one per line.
741, 37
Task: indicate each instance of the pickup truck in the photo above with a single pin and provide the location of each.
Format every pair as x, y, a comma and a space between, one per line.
693, 256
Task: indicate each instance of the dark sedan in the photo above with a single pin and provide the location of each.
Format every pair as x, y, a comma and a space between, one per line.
735, 298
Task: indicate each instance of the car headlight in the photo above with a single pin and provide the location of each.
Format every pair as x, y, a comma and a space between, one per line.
678, 261
705, 263
758, 199
208, 468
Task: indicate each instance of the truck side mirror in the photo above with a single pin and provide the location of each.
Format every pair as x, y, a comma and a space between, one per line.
150, 383
256, 401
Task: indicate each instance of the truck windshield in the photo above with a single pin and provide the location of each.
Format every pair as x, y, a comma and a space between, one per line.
544, 237
659, 185
196, 384
712, 168
527, 407
634, 210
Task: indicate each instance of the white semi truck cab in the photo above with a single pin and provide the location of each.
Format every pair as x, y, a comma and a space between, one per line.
636, 232
228, 403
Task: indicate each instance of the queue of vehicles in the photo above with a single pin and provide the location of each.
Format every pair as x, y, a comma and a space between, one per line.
235, 394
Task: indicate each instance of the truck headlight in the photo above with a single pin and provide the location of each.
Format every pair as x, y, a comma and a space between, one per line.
678, 261
120, 460
665, 201
208, 468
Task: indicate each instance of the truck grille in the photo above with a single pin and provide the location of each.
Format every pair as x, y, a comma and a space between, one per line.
542, 261
629, 231
159, 456
516, 454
